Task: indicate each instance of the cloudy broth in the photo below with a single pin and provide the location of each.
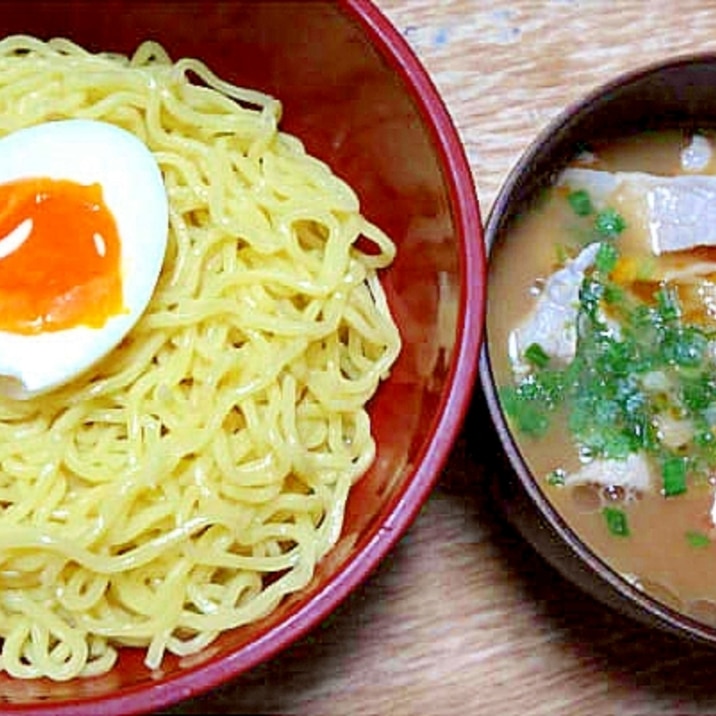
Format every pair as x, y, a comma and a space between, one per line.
661, 537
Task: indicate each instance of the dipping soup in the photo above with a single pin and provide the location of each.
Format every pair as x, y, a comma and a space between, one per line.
602, 335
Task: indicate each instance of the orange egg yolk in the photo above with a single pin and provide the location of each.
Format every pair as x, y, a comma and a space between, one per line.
59, 256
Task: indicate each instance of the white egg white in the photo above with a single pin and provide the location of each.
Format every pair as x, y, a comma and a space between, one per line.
87, 152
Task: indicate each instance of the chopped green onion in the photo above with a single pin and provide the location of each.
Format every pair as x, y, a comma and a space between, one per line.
609, 223
536, 355
614, 294
556, 478
528, 415
667, 304
704, 439
616, 521
685, 346
580, 202
673, 475
606, 258
697, 539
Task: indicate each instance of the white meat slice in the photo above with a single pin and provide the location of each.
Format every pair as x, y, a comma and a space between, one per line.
600, 185
674, 433
633, 473
552, 323
679, 211
696, 156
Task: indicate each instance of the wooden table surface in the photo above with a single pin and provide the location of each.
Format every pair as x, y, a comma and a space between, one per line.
464, 618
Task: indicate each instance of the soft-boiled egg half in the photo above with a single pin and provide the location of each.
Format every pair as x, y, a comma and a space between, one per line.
83, 231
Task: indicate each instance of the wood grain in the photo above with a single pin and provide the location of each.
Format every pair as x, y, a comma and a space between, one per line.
464, 618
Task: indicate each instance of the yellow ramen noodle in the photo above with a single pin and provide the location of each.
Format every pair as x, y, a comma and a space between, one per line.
198, 474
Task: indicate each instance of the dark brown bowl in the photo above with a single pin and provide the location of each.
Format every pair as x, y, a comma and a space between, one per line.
677, 93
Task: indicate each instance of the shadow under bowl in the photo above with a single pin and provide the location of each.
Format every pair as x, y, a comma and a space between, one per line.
674, 94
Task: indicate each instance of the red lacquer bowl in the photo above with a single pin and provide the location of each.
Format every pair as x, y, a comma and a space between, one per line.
355, 93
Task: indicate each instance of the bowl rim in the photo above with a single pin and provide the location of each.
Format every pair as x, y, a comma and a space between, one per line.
447, 422
575, 112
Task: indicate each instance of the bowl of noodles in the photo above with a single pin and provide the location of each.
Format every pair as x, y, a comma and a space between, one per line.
212, 485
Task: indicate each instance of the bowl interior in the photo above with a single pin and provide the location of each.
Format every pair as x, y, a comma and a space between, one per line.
358, 99
677, 93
